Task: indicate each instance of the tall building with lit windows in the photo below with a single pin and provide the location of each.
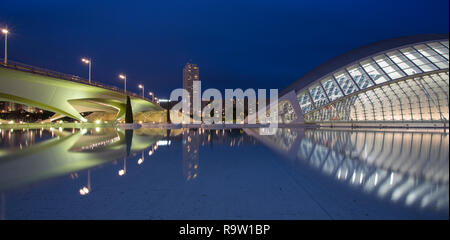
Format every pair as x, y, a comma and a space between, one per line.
395, 82
190, 74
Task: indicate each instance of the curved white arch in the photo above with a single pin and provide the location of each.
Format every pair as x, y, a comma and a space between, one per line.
407, 83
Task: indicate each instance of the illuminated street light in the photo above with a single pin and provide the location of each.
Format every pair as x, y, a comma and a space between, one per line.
151, 94
5, 31
141, 86
88, 61
124, 77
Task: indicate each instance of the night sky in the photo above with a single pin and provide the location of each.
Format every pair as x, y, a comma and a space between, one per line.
237, 44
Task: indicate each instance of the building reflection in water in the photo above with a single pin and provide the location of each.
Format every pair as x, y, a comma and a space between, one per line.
406, 167
195, 139
20, 138
191, 144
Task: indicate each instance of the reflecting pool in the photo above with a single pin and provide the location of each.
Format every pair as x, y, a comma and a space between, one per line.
107, 173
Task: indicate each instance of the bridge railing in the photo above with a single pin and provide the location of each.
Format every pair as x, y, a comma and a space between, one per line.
50, 73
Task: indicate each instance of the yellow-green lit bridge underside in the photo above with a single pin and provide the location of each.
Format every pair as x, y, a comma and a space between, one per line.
67, 98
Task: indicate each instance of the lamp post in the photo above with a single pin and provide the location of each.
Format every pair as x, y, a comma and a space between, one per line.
5, 31
151, 94
88, 61
141, 86
124, 77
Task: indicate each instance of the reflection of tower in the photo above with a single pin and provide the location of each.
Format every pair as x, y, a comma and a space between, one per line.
190, 146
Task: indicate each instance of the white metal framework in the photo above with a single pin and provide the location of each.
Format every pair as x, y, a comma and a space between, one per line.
408, 83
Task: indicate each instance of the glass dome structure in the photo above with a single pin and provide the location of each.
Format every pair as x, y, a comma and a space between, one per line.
401, 80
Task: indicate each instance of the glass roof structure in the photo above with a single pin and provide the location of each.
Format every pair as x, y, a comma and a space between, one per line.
396, 80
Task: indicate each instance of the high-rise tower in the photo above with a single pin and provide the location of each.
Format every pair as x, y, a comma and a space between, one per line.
190, 74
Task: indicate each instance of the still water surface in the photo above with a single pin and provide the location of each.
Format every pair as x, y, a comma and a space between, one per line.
107, 173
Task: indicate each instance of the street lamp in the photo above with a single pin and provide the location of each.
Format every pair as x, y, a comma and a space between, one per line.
142, 87
124, 77
88, 61
5, 31
151, 94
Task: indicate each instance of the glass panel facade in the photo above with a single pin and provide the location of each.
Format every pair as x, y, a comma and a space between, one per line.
331, 89
401, 61
359, 77
432, 56
318, 95
422, 99
439, 48
346, 83
305, 102
388, 67
420, 61
374, 71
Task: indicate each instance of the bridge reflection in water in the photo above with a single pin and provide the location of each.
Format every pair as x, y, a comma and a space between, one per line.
59, 152
410, 168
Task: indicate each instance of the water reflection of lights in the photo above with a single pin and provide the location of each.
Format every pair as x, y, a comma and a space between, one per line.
191, 165
72, 145
101, 144
405, 167
122, 171
163, 143
141, 159
84, 191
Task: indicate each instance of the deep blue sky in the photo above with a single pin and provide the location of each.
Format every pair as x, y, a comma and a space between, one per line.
237, 44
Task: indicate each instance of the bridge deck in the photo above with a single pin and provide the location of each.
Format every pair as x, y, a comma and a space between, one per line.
64, 76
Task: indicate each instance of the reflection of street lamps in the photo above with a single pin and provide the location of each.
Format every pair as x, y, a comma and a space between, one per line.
141, 160
88, 61
87, 190
124, 170
141, 86
5, 31
124, 77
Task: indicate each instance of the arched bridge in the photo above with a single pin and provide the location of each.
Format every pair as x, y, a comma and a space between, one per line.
66, 95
